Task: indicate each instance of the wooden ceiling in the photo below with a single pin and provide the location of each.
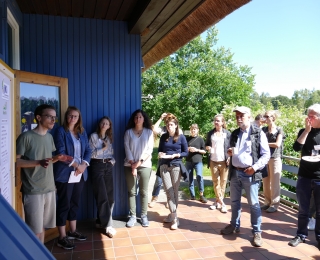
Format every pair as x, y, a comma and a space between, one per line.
152, 19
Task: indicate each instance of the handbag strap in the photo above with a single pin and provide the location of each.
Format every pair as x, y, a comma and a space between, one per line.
192, 141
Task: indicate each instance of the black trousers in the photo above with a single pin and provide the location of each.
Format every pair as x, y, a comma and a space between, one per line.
102, 185
69, 195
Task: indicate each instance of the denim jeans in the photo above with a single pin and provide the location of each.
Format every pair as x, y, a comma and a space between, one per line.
312, 209
157, 186
198, 167
102, 185
304, 190
240, 181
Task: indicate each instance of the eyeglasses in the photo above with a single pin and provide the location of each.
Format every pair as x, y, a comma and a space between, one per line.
72, 116
51, 117
267, 116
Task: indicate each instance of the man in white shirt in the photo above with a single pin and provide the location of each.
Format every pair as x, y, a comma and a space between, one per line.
250, 153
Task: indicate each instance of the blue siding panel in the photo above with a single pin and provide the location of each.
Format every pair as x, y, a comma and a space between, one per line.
3, 30
17, 239
102, 64
45, 42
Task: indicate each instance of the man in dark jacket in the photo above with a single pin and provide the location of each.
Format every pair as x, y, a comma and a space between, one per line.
308, 142
250, 153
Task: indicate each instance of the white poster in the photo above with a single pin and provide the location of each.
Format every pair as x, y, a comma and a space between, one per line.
6, 134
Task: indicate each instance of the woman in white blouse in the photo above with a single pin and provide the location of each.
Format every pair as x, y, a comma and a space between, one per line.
217, 143
102, 163
138, 144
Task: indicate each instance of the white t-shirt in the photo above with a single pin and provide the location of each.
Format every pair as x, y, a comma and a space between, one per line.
217, 149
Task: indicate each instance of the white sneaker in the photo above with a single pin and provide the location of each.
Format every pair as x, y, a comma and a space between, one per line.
153, 201
223, 209
110, 231
215, 205
168, 219
311, 224
174, 224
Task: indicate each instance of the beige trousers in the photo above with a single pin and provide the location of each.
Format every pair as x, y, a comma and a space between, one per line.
271, 184
219, 173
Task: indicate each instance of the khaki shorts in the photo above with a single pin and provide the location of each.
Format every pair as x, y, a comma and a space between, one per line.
40, 211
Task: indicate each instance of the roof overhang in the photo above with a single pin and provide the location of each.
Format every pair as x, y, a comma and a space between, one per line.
164, 25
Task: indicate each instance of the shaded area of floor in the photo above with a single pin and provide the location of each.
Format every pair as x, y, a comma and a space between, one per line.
197, 238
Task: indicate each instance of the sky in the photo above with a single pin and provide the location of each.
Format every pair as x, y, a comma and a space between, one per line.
36, 90
279, 40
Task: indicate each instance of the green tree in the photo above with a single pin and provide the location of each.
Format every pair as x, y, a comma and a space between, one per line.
313, 99
280, 100
196, 82
265, 98
300, 98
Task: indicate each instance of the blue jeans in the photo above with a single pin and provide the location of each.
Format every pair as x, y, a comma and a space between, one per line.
240, 181
304, 190
157, 186
198, 167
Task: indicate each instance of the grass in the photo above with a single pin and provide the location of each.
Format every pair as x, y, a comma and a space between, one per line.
208, 192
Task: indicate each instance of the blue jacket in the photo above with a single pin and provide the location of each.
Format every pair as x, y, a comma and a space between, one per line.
64, 145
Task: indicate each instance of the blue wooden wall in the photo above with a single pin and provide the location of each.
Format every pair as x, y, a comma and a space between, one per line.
103, 65
3, 29
17, 239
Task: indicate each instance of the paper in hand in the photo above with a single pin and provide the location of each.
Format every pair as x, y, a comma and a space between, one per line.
73, 178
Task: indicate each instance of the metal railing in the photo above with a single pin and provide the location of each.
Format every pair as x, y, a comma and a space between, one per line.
291, 182
283, 180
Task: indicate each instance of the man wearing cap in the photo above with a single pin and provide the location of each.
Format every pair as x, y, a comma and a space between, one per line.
249, 151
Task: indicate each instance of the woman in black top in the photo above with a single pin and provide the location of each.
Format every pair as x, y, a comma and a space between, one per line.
196, 148
271, 183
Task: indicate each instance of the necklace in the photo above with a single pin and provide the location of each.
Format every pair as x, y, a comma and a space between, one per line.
137, 132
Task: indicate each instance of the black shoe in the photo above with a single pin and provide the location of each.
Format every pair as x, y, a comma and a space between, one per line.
296, 241
65, 243
193, 198
203, 199
98, 223
264, 207
76, 235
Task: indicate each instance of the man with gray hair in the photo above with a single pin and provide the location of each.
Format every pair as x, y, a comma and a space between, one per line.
249, 151
308, 142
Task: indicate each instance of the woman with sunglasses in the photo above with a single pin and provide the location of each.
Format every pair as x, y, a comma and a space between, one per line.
271, 183
70, 139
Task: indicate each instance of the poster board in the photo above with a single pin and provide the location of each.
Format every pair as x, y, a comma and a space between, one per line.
7, 147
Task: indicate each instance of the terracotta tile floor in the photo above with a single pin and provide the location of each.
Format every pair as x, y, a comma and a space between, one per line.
197, 238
